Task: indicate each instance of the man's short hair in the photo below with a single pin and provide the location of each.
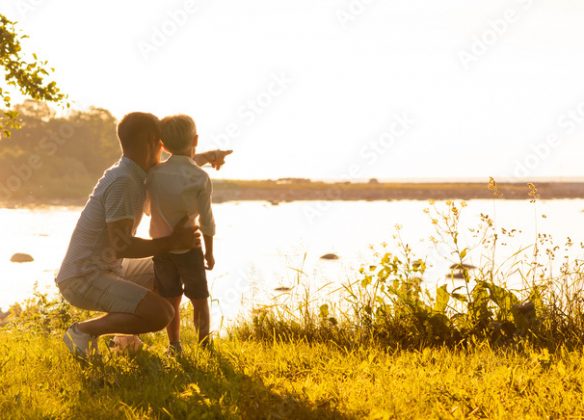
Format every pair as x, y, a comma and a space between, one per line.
177, 132
137, 127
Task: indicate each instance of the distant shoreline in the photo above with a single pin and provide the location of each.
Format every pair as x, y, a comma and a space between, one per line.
279, 191
305, 190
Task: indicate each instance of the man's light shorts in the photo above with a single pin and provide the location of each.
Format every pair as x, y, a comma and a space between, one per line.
111, 292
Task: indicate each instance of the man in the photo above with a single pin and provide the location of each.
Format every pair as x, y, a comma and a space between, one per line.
106, 267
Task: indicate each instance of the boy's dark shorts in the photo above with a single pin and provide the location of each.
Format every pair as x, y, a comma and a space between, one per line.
175, 274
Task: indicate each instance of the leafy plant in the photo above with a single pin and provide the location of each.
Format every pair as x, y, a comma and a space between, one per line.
390, 303
28, 74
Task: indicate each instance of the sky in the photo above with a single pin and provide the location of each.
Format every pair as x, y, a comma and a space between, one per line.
336, 89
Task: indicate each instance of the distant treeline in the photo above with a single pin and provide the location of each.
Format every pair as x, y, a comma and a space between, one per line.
56, 158
53, 159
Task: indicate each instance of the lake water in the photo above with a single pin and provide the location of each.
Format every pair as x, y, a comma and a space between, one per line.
260, 247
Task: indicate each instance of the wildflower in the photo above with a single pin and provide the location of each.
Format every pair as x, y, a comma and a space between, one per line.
532, 192
494, 188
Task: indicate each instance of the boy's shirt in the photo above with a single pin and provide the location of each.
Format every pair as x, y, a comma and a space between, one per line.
176, 188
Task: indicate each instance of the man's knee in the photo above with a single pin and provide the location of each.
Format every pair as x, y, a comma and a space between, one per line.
165, 314
170, 311
156, 311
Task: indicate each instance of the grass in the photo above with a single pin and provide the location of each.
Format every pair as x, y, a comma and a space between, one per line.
250, 379
385, 346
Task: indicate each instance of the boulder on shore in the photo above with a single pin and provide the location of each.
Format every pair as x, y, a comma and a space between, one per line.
21, 258
329, 257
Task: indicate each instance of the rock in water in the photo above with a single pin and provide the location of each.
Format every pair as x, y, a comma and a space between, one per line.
21, 258
462, 267
329, 257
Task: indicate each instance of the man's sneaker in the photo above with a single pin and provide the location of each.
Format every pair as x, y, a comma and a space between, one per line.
80, 343
93, 347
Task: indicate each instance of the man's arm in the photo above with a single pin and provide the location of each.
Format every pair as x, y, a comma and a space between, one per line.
120, 205
124, 245
216, 158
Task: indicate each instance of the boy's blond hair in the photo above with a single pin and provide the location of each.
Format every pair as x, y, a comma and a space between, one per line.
177, 132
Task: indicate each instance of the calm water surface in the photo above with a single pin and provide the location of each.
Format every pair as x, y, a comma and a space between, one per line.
260, 247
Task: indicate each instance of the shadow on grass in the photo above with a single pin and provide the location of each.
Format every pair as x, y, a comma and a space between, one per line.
200, 385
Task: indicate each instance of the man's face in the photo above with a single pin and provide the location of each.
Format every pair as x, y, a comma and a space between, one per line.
155, 152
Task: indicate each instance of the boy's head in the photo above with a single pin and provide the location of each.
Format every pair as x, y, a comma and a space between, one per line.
178, 134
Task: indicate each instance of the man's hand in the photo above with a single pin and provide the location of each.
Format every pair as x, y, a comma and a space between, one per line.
122, 243
210, 259
216, 158
185, 237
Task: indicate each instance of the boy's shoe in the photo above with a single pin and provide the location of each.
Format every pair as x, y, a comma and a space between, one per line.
80, 343
208, 344
175, 349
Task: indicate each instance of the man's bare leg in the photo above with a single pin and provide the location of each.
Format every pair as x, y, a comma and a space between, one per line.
152, 314
202, 319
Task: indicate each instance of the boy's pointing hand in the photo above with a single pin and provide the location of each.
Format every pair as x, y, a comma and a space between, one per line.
217, 158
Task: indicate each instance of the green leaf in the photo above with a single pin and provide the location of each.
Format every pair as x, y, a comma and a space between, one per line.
502, 297
442, 299
460, 297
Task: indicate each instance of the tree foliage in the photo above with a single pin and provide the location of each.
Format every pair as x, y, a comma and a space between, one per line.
53, 157
26, 73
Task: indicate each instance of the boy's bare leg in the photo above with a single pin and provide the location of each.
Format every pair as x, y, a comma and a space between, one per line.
202, 319
173, 329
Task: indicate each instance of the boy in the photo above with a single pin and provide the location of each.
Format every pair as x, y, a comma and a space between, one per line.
176, 188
